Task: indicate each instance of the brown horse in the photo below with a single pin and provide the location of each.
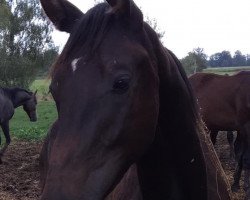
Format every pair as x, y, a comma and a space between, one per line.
225, 105
122, 98
11, 98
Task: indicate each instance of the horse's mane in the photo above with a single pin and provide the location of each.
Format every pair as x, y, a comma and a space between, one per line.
11, 92
192, 99
14, 90
163, 56
87, 34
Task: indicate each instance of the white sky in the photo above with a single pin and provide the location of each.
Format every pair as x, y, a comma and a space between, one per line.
214, 25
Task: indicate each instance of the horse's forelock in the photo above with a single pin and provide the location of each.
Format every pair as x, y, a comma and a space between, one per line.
86, 35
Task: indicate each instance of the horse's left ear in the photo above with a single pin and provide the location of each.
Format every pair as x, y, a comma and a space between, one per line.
62, 14
35, 93
128, 12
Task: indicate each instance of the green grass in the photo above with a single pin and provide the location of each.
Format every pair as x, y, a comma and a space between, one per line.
226, 70
22, 128
42, 87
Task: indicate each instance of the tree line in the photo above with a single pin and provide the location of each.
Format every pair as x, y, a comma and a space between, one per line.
197, 60
224, 59
26, 46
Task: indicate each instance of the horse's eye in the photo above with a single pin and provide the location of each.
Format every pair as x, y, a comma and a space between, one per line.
121, 85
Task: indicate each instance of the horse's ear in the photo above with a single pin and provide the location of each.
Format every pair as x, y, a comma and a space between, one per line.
35, 93
120, 5
62, 14
128, 11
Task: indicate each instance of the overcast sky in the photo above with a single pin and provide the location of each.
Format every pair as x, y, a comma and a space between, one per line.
214, 25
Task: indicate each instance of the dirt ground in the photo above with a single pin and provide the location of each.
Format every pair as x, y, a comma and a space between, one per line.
19, 176
222, 149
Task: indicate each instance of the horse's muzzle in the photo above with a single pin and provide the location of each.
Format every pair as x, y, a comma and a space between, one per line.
33, 119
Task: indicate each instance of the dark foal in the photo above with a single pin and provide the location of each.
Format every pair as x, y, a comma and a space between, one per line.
225, 105
11, 98
123, 99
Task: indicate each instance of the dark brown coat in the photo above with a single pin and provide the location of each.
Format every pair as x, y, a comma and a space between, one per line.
225, 105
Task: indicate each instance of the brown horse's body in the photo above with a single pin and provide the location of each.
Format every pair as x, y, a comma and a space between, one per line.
225, 105
224, 100
123, 99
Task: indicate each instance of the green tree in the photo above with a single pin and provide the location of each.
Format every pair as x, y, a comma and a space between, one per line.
24, 37
222, 59
214, 60
4, 11
248, 60
47, 59
239, 59
195, 61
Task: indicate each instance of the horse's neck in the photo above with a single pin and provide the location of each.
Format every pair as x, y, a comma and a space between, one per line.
17, 97
158, 174
179, 170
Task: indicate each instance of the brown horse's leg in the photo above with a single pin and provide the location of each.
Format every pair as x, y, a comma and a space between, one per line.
213, 136
238, 149
230, 139
246, 161
237, 175
6, 131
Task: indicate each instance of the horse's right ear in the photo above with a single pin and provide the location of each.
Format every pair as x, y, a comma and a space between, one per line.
62, 14
129, 12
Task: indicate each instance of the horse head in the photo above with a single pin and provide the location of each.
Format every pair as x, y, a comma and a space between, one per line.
29, 106
122, 98
105, 85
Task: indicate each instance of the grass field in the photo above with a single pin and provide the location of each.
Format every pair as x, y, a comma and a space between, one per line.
226, 70
42, 86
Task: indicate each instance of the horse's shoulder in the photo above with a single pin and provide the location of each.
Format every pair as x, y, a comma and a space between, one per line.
6, 107
6, 113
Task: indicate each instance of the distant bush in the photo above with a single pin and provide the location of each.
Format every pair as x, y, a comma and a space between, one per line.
16, 71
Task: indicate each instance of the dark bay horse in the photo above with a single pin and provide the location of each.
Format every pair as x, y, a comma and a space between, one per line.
123, 99
225, 105
11, 98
